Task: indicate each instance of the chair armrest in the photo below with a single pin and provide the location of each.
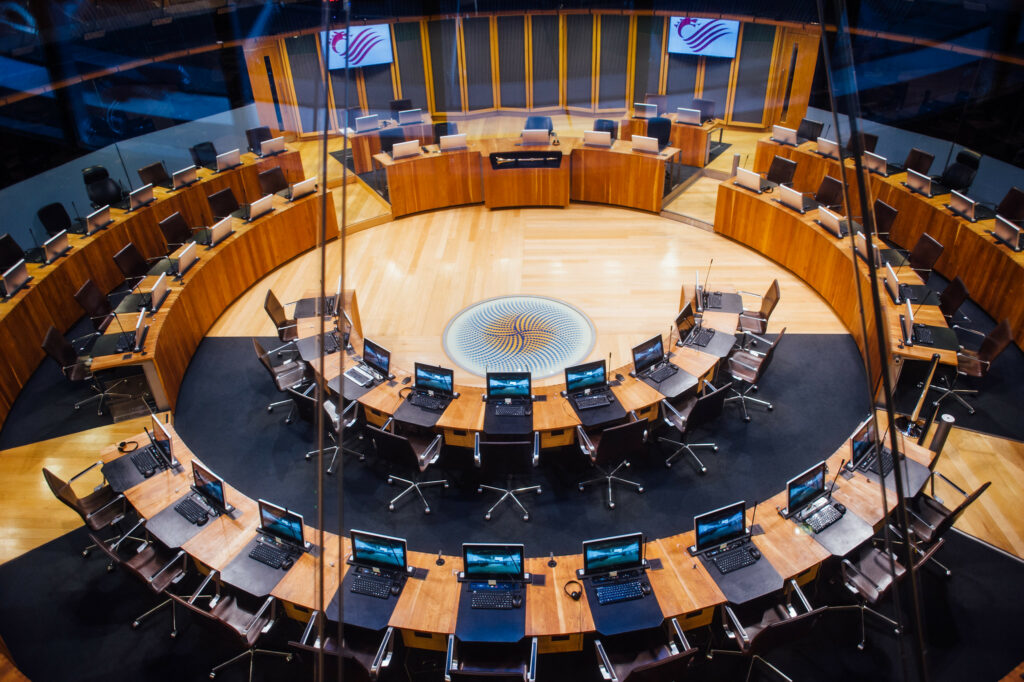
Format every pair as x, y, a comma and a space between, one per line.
313, 619
119, 498
584, 442
604, 664
433, 451
737, 626
353, 407
179, 555
531, 671
742, 364
955, 486
750, 293
384, 653
680, 421
536, 448
681, 641
476, 449
800, 595
450, 662
918, 517
259, 614
202, 586
759, 338
81, 473
124, 537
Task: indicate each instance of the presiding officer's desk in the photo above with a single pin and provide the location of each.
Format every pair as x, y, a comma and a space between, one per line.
620, 176
432, 179
221, 274
507, 184
426, 612
49, 297
693, 142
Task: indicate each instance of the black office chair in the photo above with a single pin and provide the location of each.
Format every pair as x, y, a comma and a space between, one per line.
747, 366
960, 174
919, 160
54, 218
830, 193
155, 174
502, 462
389, 137
613, 449
132, 265
809, 130
869, 575
222, 203
1012, 206
96, 306
349, 418
869, 141
781, 171
76, 370
397, 105
951, 298
605, 125
101, 188
660, 101
693, 412
778, 625
661, 659
255, 137
661, 129
706, 107
477, 662
10, 252
176, 231
272, 181
442, 128
539, 123
359, 656
885, 216
204, 155
413, 455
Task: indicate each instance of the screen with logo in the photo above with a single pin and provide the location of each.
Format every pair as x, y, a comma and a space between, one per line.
368, 45
705, 37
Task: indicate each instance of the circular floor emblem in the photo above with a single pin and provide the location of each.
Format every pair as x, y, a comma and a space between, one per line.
519, 333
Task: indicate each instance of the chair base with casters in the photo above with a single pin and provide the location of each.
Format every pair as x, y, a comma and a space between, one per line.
102, 393
682, 447
509, 493
743, 397
507, 455
251, 654
869, 580
411, 486
607, 477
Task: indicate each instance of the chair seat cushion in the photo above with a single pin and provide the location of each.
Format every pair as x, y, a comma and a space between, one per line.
77, 372
753, 322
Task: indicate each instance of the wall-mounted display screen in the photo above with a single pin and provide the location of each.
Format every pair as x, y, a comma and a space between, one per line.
367, 46
704, 37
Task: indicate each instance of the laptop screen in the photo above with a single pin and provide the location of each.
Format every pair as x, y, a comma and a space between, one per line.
619, 553
862, 442
280, 523
208, 484
961, 203
508, 385
377, 357
301, 189
720, 526
436, 379
492, 561
648, 354
828, 147
805, 488
98, 219
785, 135
378, 551
685, 320
587, 375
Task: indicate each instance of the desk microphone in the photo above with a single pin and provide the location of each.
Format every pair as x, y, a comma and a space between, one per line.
836, 479
753, 515
551, 562
440, 559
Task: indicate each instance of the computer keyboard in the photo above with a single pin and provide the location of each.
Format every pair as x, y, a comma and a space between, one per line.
713, 299
491, 599
613, 593
192, 511
145, 461
701, 336
427, 402
823, 518
372, 585
269, 555
871, 462
923, 334
359, 376
586, 402
511, 409
663, 372
733, 559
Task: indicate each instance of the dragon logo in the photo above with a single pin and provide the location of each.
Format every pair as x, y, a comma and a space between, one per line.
359, 46
702, 32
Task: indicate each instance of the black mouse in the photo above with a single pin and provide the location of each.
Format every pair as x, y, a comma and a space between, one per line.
201, 521
517, 600
287, 563
406, 380
841, 508
645, 588
146, 473
755, 552
396, 590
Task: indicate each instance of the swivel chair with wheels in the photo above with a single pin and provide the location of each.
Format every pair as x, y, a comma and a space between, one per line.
291, 374
255, 137
76, 370
960, 174
952, 298
868, 140
287, 327
502, 462
924, 255
869, 577
101, 188
96, 306
54, 218
693, 412
389, 137
155, 174
100, 510
176, 231
885, 216
133, 265
809, 129
781, 171
412, 454
660, 128
974, 364
397, 105
606, 125
474, 662
222, 203
747, 366
756, 321
610, 450
931, 519
359, 657
666, 659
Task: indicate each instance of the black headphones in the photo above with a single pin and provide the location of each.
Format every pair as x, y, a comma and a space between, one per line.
123, 446
575, 594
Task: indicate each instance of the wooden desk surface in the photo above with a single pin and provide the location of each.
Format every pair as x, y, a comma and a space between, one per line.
430, 605
620, 176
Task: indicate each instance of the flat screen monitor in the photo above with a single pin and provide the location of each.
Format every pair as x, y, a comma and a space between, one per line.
1007, 232
721, 526
862, 442
367, 46
642, 143
436, 379
907, 321
749, 179
833, 222
804, 488
862, 249
648, 354
703, 37
688, 116
534, 136
492, 561
364, 123
827, 147
209, 485
260, 207
143, 196
98, 219
685, 321
407, 148
378, 551
448, 142
229, 160
376, 358
281, 524
641, 110
183, 177
56, 246
508, 385
619, 553
162, 439
158, 293
10, 252
220, 230
14, 278
408, 116
274, 145
597, 138
589, 375
187, 258
791, 198
892, 284
301, 189
784, 135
